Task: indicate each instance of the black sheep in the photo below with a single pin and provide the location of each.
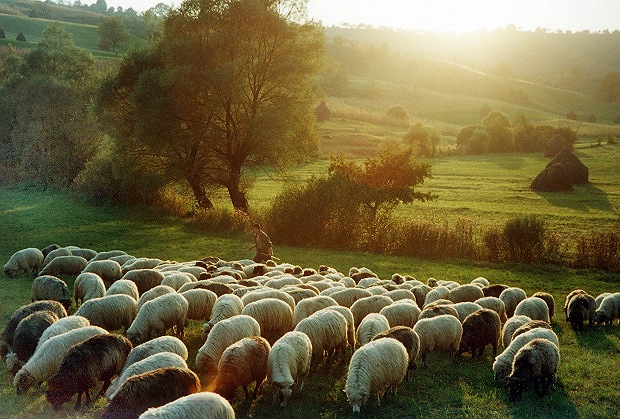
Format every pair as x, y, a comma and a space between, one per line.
99, 358
480, 328
28, 332
535, 364
151, 389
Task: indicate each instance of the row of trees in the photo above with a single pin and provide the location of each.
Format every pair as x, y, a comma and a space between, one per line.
229, 86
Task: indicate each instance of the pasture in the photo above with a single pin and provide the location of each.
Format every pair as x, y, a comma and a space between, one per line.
588, 374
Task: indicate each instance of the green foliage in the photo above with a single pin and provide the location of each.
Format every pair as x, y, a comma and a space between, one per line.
610, 86
598, 250
499, 128
423, 139
397, 112
112, 34
571, 115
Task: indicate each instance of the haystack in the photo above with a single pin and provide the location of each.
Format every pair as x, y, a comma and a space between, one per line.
576, 171
552, 179
556, 144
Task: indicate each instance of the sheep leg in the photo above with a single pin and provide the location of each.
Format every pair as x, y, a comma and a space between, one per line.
256, 389
245, 391
105, 386
78, 403
88, 399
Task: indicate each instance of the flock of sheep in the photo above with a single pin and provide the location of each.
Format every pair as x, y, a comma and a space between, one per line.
261, 322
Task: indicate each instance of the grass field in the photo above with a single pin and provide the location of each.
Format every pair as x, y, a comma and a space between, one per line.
588, 376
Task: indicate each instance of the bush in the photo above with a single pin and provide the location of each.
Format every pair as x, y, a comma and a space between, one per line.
397, 112
591, 118
571, 115
598, 250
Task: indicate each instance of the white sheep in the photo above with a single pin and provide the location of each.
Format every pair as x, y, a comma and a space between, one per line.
274, 317
151, 294
503, 362
376, 367
288, 365
87, 286
46, 361
122, 259
64, 265
348, 296
401, 313
599, 298
108, 254
61, 326
281, 282
481, 281
108, 270
145, 279
124, 286
150, 363
466, 292
511, 325
87, 254
111, 312
158, 315
197, 405
465, 308
438, 293
511, 297
226, 306
327, 331
154, 346
370, 326
48, 287
534, 308
348, 315
439, 333
311, 305
63, 251
609, 310
366, 305
141, 263
30, 259
224, 333
495, 304
256, 295
200, 303
400, 294
177, 279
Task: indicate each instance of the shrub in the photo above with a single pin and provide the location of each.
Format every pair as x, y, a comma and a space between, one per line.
598, 250
571, 115
611, 140
397, 112
423, 139
524, 239
591, 118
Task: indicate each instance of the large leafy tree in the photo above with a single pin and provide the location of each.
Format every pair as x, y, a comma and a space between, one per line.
230, 85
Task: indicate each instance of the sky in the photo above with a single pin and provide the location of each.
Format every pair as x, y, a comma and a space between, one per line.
452, 15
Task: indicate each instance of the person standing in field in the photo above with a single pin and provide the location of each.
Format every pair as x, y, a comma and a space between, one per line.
262, 244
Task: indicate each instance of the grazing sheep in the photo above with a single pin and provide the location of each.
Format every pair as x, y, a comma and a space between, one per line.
6, 338
151, 294
87, 254
465, 308
224, 333
157, 345
218, 288
534, 308
483, 282
366, 305
536, 363
467, 292
62, 251
124, 286
283, 281
61, 326
151, 389
511, 325
107, 255
532, 324
569, 297
274, 317
327, 331
494, 290
87, 286
198, 405
403, 313
200, 303
150, 363
141, 263
256, 295
400, 294
480, 329
547, 298
438, 293
609, 310
45, 361
122, 259
376, 367
438, 310
420, 292
98, 358
346, 312
511, 297
599, 298
30, 259
299, 294
47, 249
288, 365
369, 327
49, 287
226, 306
177, 279
112, 312
348, 296
108, 270
409, 339
503, 362
495, 304
29, 331
157, 316
242, 363
309, 306
145, 279
439, 334
64, 265
580, 308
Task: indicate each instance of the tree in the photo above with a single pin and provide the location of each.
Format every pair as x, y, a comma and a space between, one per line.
499, 129
610, 86
423, 139
231, 87
112, 34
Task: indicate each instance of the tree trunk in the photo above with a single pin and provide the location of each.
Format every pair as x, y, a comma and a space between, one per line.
200, 194
237, 197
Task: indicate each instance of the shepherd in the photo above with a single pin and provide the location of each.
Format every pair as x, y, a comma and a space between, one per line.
262, 244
